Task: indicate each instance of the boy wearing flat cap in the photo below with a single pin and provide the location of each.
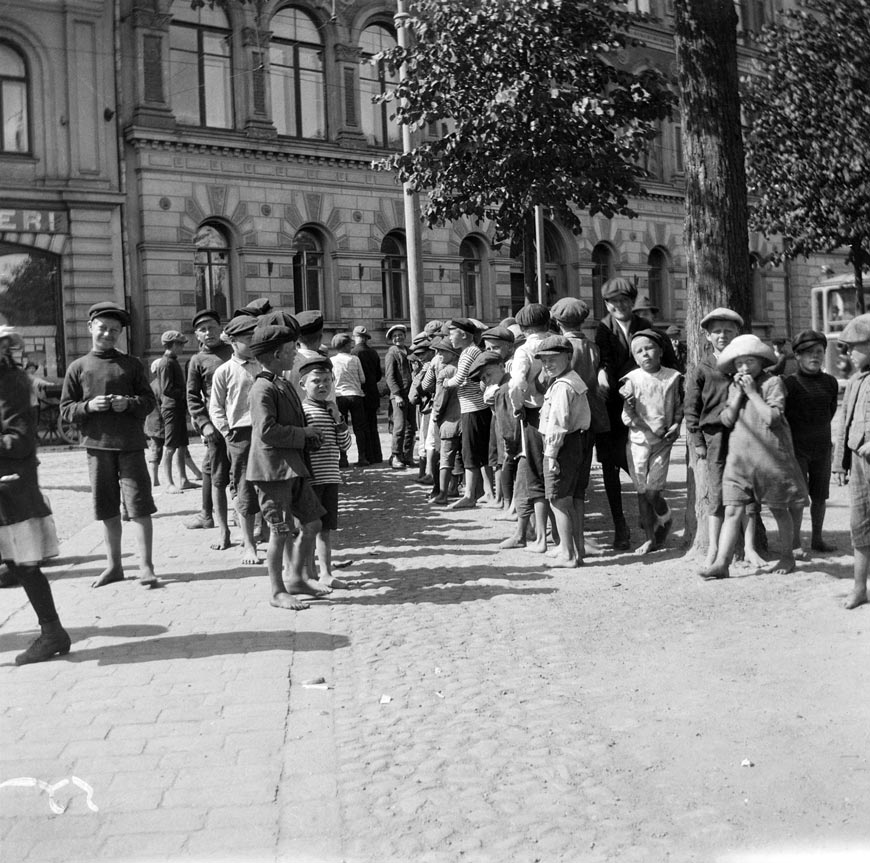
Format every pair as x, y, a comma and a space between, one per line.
172, 401
230, 410
213, 352
810, 405
397, 371
278, 468
852, 451
371, 365
107, 394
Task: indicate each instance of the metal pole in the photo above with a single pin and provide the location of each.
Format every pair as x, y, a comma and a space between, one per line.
413, 233
539, 253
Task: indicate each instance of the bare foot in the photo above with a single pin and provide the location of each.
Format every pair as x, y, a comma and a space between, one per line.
148, 579
333, 582
495, 503
857, 597
508, 516
223, 543
513, 542
186, 484
539, 546
306, 588
646, 548
440, 500
712, 572
284, 600
753, 558
173, 489
563, 561
108, 576
782, 566
821, 545
249, 556
800, 554
463, 503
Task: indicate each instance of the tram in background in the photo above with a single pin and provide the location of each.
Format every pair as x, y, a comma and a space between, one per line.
834, 303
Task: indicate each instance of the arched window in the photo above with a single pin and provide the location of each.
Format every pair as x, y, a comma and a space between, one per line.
759, 288
308, 277
212, 269
470, 279
394, 277
374, 79
554, 265
200, 66
296, 75
602, 270
659, 281
14, 100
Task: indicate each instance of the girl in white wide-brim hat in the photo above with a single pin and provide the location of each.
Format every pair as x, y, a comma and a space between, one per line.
761, 464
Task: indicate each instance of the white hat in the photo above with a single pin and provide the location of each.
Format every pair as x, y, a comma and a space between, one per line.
745, 346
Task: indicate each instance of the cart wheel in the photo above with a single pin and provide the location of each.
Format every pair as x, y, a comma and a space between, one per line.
68, 431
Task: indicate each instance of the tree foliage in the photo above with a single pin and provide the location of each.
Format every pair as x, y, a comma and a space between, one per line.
28, 292
809, 109
537, 109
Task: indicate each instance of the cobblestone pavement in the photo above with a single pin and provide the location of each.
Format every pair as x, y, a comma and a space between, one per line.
477, 705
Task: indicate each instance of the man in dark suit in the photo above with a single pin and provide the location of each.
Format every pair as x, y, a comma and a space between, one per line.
371, 364
613, 337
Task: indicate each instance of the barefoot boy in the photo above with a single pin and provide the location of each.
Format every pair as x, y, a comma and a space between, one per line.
173, 410
853, 450
565, 419
811, 402
107, 394
317, 382
276, 464
653, 411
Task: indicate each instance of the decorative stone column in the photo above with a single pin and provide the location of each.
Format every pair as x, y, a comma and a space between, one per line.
258, 123
151, 45
349, 123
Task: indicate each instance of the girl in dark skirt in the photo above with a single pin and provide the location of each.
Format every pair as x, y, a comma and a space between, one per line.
27, 534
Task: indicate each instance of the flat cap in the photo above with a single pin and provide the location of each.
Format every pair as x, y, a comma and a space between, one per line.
396, 328
653, 335
443, 344
807, 338
341, 341
314, 364
109, 310
465, 324
255, 308
241, 325
745, 346
856, 331
569, 311
422, 336
480, 362
269, 337
310, 321
171, 336
618, 287
721, 314
507, 322
421, 346
533, 315
432, 328
205, 314
553, 345
361, 331
280, 318
499, 333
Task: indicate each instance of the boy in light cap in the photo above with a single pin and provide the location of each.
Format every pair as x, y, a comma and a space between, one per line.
172, 396
277, 466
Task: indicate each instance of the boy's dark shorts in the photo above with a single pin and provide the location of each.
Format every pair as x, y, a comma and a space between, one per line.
529, 485
218, 460
816, 468
450, 447
327, 494
475, 438
286, 499
175, 427
238, 447
573, 476
115, 475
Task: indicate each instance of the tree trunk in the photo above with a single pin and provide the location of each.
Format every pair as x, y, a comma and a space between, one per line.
530, 258
716, 230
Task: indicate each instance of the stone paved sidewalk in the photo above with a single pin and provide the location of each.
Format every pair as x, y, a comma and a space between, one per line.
479, 706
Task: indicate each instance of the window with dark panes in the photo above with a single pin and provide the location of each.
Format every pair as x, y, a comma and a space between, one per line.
394, 278
470, 278
307, 272
13, 102
296, 75
212, 270
374, 79
200, 64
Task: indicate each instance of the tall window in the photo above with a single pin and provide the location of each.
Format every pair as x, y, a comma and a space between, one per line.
602, 270
13, 102
394, 277
200, 65
374, 79
296, 75
212, 269
308, 272
469, 277
658, 280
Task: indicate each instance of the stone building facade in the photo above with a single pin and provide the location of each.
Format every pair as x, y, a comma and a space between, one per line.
246, 136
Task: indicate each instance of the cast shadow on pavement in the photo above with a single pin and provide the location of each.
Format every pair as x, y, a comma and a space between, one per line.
20, 640
207, 645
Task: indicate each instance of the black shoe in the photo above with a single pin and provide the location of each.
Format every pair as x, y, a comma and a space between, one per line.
622, 538
7, 579
53, 641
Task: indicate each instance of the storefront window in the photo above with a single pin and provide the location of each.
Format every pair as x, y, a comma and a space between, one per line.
212, 270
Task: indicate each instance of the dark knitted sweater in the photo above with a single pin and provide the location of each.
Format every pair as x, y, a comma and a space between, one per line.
101, 373
200, 371
811, 402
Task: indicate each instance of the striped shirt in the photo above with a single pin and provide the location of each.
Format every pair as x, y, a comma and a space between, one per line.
470, 393
324, 461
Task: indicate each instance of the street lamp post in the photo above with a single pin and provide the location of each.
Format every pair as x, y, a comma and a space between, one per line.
413, 233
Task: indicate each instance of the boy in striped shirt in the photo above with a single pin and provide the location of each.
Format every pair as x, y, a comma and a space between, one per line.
316, 379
